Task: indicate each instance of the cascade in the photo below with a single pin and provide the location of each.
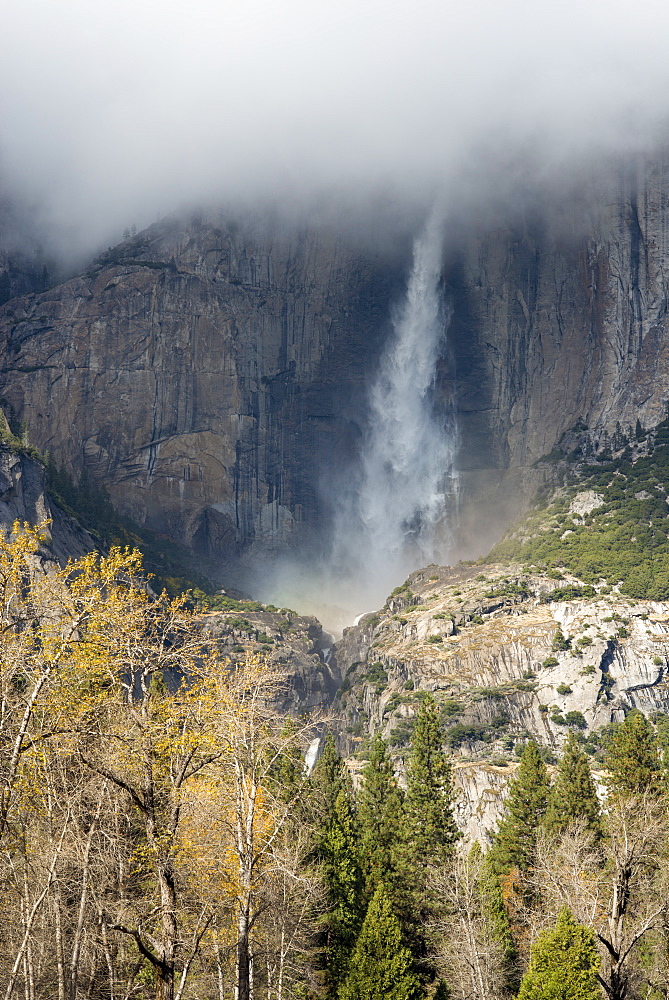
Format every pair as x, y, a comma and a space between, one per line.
390, 510
393, 519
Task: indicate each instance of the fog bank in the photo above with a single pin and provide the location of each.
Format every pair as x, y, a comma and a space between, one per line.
113, 115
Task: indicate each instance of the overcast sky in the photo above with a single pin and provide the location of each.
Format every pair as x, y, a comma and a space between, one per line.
115, 112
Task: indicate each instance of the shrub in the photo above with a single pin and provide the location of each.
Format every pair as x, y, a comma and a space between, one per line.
576, 719
377, 676
463, 732
550, 661
393, 702
434, 638
450, 707
560, 642
569, 593
563, 689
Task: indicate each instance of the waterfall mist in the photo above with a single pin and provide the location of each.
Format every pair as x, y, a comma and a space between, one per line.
393, 520
390, 510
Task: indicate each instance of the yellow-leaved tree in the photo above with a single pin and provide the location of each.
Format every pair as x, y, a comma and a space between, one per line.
145, 814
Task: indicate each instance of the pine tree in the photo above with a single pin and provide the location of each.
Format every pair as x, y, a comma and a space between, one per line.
563, 964
329, 777
429, 799
344, 887
573, 795
381, 966
382, 820
524, 809
331, 813
632, 758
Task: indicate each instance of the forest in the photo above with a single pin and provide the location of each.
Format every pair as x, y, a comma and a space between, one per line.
161, 838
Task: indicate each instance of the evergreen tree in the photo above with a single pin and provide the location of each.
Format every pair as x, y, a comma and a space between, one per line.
632, 758
429, 799
563, 964
344, 887
329, 777
382, 820
573, 795
381, 966
330, 811
524, 809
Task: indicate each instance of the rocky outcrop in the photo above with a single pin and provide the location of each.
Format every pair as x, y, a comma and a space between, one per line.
23, 497
204, 374
503, 661
504, 658
293, 645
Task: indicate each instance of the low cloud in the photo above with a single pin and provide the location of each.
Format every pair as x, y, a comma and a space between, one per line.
115, 114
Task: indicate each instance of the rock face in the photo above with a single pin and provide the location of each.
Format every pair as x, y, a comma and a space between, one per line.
209, 374
503, 661
23, 265
201, 373
556, 321
293, 645
23, 498
20, 274
560, 323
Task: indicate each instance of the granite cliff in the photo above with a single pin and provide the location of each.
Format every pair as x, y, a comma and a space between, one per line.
209, 374
24, 498
201, 373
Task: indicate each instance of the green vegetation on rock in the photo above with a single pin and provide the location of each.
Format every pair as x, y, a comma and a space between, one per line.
623, 540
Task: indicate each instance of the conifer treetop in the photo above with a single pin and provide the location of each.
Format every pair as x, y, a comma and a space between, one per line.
563, 964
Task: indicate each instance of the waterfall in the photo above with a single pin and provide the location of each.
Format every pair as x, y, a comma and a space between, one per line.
392, 520
390, 508
311, 755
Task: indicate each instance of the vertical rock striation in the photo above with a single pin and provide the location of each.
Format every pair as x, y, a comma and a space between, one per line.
207, 373
564, 318
201, 372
